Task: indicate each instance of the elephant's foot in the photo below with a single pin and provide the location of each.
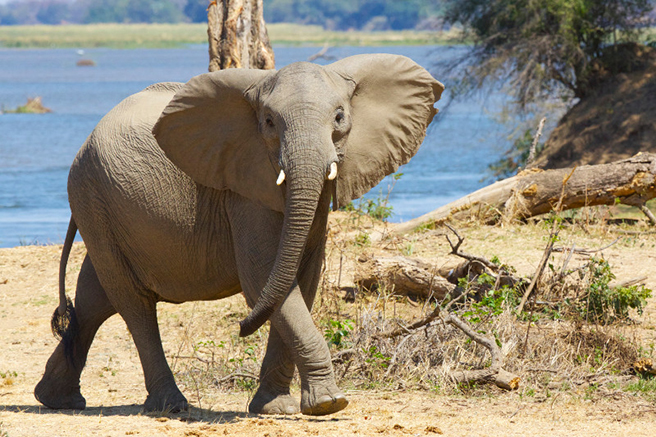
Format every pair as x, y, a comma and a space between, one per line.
172, 402
273, 402
59, 397
322, 399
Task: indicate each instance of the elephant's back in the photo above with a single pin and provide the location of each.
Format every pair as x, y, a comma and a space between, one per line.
133, 205
121, 185
121, 162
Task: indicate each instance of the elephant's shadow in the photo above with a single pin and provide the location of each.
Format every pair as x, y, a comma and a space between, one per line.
194, 414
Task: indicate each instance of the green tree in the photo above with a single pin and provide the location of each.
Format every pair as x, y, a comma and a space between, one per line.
196, 10
106, 11
53, 12
153, 11
347, 14
133, 11
540, 47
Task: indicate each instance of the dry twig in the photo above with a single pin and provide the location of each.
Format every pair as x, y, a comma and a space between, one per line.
322, 54
534, 145
455, 250
646, 211
547, 251
236, 375
584, 251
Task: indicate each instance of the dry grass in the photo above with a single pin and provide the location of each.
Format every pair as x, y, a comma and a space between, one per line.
562, 352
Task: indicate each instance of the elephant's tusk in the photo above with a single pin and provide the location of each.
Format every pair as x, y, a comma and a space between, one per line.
333, 171
281, 177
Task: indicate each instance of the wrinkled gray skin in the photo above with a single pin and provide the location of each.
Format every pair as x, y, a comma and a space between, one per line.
175, 197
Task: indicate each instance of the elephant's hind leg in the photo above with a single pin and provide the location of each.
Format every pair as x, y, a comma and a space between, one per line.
60, 385
138, 309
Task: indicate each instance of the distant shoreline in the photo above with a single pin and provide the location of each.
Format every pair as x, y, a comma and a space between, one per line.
129, 36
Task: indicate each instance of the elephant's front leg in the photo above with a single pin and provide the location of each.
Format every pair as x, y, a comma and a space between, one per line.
255, 254
273, 395
293, 340
319, 392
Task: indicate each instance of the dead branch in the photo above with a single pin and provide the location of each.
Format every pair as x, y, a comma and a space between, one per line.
625, 232
494, 373
489, 344
628, 282
534, 144
547, 251
584, 251
563, 270
455, 250
236, 375
343, 355
322, 54
646, 211
631, 181
405, 329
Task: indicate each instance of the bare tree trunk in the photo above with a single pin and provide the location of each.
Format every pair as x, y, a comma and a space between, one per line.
237, 35
631, 182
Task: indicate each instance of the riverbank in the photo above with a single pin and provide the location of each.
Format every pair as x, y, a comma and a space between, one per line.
126, 36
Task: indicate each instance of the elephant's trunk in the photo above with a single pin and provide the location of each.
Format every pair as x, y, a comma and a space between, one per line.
305, 177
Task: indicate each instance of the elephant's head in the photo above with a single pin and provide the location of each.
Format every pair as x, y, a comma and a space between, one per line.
354, 121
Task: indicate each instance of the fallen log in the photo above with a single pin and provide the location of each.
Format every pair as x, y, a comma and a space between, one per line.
402, 276
533, 192
413, 277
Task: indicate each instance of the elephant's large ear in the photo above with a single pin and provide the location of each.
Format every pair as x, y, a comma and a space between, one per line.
210, 130
391, 107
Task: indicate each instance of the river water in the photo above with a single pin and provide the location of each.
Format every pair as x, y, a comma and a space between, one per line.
36, 150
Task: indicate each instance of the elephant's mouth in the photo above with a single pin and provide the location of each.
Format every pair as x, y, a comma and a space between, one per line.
331, 174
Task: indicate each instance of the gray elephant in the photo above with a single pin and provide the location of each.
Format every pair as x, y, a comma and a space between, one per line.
223, 185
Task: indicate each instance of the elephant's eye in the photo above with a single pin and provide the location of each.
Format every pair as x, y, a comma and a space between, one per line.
269, 122
339, 117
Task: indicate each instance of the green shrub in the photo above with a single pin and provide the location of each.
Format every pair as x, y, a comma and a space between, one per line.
606, 304
337, 332
378, 208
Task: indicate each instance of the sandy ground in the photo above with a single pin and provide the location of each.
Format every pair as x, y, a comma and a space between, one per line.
113, 382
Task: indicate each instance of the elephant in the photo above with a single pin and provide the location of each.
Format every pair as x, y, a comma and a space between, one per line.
222, 185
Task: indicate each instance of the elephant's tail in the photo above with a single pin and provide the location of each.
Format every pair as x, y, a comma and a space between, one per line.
64, 321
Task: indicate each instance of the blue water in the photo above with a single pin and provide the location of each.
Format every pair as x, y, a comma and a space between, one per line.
36, 150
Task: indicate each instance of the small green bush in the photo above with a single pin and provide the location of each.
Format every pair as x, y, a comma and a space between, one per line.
605, 304
337, 332
378, 208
